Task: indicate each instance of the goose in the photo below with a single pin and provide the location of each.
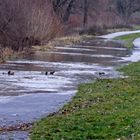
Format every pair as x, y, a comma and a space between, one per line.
10, 72
101, 73
52, 72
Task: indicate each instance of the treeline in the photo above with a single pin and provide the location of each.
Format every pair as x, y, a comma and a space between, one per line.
96, 12
31, 22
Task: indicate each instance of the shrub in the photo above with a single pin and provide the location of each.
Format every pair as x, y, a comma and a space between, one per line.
27, 22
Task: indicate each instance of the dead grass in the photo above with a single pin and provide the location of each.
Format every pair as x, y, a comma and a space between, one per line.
5, 53
63, 41
68, 40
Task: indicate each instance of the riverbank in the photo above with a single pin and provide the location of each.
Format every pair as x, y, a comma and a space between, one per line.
76, 39
8, 53
106, 109
100, 110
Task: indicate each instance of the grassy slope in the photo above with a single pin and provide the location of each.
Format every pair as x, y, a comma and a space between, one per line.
128, 39
107, 109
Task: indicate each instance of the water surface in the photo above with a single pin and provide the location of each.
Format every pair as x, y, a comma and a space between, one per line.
30, 94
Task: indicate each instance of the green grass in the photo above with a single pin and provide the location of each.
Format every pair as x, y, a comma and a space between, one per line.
107, 109
128, 39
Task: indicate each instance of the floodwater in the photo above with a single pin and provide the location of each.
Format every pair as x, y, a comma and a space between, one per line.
30, 94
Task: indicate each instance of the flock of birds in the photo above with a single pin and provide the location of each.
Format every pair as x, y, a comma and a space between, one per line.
13, 73
47, 73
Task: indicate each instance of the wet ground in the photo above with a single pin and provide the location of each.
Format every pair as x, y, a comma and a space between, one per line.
29, 94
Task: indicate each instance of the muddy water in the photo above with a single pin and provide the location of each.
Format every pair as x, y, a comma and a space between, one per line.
30, 94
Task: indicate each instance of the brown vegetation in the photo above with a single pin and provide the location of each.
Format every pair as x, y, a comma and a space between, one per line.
95, 15
26, 22
5, 53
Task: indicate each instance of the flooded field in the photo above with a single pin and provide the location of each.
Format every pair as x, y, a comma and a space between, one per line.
30, 94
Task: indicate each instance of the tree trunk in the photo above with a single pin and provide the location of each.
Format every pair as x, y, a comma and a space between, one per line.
68, 11
85, 19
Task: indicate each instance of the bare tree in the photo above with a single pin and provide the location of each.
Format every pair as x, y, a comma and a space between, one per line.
85, 18
63, 8
126, 8
26, 22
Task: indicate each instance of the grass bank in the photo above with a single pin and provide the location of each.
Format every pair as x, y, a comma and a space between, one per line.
128, 39
107, 109
76, 39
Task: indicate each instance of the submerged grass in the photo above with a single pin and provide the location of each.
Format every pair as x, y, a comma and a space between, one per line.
107, 109
5, 54
128, 39
62, 41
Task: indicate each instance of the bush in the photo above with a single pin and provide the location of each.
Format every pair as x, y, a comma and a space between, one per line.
5, 53
26, 22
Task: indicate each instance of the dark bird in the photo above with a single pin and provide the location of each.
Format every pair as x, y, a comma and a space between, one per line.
4, 73
46, 73
10, 72
52, 72
101, 73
